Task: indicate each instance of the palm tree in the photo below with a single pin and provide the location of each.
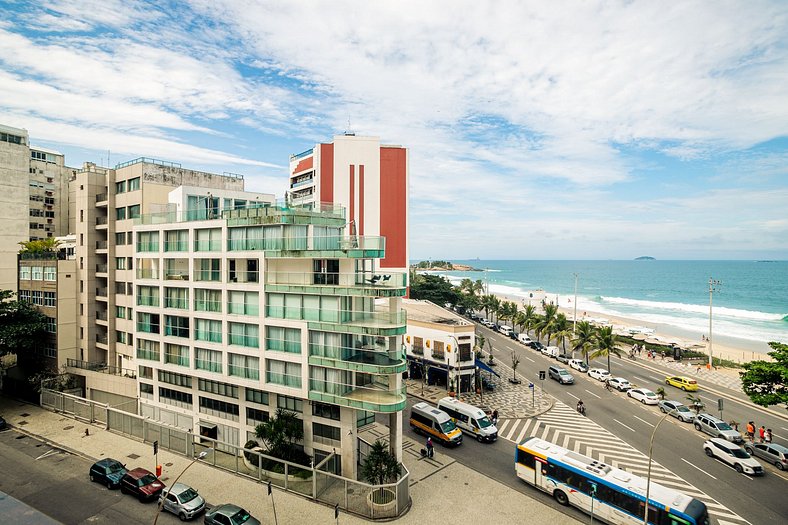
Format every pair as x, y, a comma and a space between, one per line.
546, 325
380, 465
607, 341
529, 317
280, 433
585, 337
561, 329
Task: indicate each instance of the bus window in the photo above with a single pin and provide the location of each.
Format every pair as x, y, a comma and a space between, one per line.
526, 458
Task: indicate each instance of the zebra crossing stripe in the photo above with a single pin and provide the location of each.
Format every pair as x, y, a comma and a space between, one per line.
522, 434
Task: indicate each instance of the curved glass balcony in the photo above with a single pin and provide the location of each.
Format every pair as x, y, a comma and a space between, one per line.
383, 323
381, 284
366, 397
370, 360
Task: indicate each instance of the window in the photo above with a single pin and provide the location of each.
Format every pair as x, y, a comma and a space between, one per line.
437, 351
145, 372
120, 263
325, 410
49, 299
215, 387
148, 295
207, 300
25, 295
243, 334
219, 408
320, 430
176, 354
175, 379
145, 388
176, 298
120, 337
51, 325
147, 350
256, 396
255, 417
148, 323
37, 297
283, 339
50, 273
134, 211
176, 326
176, 241
38, 273
290, 403
208, 330
418, 345
134, 184
167, 394
120, 187
209, 240
120, 312
210, 360
120, 288
25, 273
120, 239
120, 213
209, 270
243, 366
526, 458
148, 241
283, 373
242, 303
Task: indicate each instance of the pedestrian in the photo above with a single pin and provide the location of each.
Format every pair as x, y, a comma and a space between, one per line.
430, 448
750, 430
697, 370
767, 436
761, 433
495, 418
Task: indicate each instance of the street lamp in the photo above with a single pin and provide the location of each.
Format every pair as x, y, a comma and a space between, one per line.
574, 319
650, 450
714, 286
200, 456
457, 365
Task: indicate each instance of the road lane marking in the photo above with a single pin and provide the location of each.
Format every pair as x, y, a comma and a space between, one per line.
48, 453
593, 394
658, 380
531, 360
574, 396
623, 425
646, 422
693, 466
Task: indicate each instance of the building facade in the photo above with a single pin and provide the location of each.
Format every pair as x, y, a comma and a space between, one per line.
14, 201
48, 207
243, 310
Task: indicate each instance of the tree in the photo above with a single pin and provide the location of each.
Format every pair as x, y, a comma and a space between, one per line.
529, 317
380, 466
22, 326
515, 364
48, 245
561, 329
696, 402
280, 435
766, 383
480, 340
661, 392
434, 288
585, 337
606, 340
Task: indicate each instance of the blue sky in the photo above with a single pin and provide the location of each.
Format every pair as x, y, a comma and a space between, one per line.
560, 130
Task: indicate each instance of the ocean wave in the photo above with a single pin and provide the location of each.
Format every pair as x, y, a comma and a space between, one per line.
734, 313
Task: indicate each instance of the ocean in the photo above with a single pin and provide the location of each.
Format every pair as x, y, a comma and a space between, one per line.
750, 305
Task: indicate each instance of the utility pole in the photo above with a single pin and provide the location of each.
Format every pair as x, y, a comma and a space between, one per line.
714, 286
574, 320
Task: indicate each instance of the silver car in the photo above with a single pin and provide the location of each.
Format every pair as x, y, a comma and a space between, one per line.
229, 514
777, 455
182, 500
717, 428
677, 410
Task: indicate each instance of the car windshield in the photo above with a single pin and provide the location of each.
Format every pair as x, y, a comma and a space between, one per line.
114, 467
448, 426
682, 408
147, 479
240, 517
739, 453
187, 495
565, 373
484, 422
724, 426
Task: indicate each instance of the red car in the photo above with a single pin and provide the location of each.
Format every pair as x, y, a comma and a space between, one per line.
141, 483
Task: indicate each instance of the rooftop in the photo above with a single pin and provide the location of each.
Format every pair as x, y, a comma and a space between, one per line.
428, 312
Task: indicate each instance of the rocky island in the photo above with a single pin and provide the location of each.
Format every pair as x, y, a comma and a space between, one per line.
438, 266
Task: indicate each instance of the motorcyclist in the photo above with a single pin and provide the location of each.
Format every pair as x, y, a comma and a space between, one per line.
581, 408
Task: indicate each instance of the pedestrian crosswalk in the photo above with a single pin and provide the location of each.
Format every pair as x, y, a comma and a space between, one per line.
564, 427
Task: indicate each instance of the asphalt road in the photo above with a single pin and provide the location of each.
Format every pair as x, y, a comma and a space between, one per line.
56, 483
678, 446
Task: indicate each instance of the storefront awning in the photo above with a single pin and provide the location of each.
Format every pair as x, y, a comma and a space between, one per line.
481, 364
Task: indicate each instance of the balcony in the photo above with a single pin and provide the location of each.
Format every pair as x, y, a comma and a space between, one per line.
382, 323
208, 246
147, 273
101, 268
355, 284
354, 246
264, 213
366, 397
101, 292
176, 246
208, 276
101, 315
101, 221
372, 360
176, 269
101, 245
101, 199
103, 368
101, 339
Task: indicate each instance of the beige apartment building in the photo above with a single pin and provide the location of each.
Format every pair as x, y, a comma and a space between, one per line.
14, 199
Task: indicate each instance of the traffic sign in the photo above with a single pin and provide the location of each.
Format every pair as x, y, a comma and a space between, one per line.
542, 374
531, 386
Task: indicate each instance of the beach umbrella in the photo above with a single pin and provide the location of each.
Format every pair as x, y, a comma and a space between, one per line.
641, 337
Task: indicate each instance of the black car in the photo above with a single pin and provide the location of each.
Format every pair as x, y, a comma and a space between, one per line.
3, 424
536, 345
108, 472
514, 335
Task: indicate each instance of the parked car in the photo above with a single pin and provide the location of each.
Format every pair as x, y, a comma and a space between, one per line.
229, 514
684, 383
563, 358
182, 500
578, 365
600, 374
644, 395
523, 338
733, 455
108, 472
141, 483
619, 383
717, 428
3, 424
514, 335
536, 345
775, 454
550, 351
561, 375
681, 411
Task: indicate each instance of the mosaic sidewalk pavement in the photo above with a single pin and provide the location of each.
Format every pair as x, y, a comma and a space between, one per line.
724, 379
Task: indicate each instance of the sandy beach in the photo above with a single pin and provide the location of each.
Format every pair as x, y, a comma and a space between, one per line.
738, 351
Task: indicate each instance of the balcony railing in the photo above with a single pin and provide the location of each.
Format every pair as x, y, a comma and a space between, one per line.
147, 300
369, 280
102, 316
366, 397
147, 246
176, 275
101, 245
104, 368
101, 220
145, 273
208, 246
101, 197
302, 182
243, 277
264, 213
208, 275
368, 360
328, 243
101, 292
101, 339
292, 381
176, 246
101, 268
379, 319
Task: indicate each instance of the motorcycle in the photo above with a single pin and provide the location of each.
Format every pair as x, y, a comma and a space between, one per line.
581, 409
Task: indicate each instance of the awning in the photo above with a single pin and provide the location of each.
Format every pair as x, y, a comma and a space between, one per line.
207, 425
483, 366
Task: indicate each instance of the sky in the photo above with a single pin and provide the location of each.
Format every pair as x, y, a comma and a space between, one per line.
536, 130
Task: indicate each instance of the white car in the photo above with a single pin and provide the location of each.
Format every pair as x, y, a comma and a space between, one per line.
578, 365
619, 383
733, 455
551, 351
600, 374
644, 395
523, 338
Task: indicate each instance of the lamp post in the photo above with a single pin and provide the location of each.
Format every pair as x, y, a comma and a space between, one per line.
714, 286
574, 319
457, 365
650, 450
200, 456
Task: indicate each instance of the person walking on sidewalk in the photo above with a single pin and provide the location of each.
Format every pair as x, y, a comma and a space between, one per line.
761, 432
750, 434
495, 417
430, 448
767, 436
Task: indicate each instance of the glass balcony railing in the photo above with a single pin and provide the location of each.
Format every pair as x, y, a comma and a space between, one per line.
147, 246
385, 320
243, 277
176, 246
343, 243
373, 360
101, 245
279, 212
208, 246
101, 220
243, 309
146, 273
363, 282
101, 268
101, 367
101, 197
208, 275
292, 381
367, 397
176, 275
147, 300
101, 338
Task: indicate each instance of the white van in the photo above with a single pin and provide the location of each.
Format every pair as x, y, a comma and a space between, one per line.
506, 330
523, 338
551, 351
469, 419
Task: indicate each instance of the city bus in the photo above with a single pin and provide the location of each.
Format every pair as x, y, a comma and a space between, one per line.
612, 495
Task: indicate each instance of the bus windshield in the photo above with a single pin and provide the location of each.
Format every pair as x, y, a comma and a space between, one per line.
448, 426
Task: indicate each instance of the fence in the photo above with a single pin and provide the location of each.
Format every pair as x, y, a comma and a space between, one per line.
315, 482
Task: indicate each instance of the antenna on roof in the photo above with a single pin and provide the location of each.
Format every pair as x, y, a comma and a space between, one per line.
348, 132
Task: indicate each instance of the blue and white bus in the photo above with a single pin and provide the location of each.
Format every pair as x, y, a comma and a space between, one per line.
613, 495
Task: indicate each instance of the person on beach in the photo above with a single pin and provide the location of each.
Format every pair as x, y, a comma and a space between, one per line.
761, 432
767, 437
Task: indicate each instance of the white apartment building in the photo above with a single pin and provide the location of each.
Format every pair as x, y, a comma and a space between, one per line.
246, 308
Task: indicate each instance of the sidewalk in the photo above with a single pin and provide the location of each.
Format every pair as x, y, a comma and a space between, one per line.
725, 377
431, 480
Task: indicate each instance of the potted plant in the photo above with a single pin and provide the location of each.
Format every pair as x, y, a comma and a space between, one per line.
696, 403
381, 467
661, 393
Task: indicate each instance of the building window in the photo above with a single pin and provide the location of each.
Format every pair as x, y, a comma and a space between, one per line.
148, 323
208, 330
320, 430
37, 298
24, 273
51, 325
120, 239
120, 312
437, 351
209, 270
243, 366
175, 379
25, 295
148, 350
134, 184
176, 298
148, 295
219, 408
176, 326
120, 288
325, 410
145, 372
176, 241
120, 263
243, 334
256, 396
166, 395
242, 303
283, 373
254, 417
210, 360
290, 403
120, 187
208, 240
50, 273
418, 345
145, 388
120, 213
134, 211
218, 388
283, 339
176, 354
38, 273
120, 337
49, 299
148, 241
207, 300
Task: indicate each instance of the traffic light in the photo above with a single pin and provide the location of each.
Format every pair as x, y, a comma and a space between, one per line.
155, 447
541, 375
